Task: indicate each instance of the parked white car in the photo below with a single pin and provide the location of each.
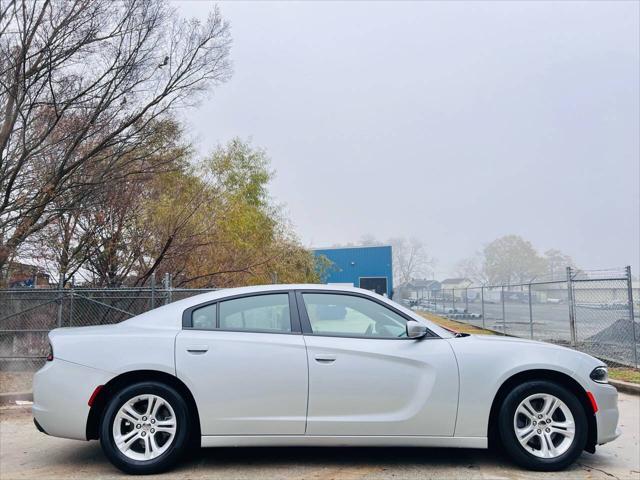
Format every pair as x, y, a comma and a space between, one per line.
315, 365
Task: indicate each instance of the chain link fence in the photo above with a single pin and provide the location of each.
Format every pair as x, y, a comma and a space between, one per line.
593, 312
27, 315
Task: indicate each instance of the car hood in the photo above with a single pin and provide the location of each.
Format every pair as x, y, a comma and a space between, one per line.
503, 345
502, 339
496, 340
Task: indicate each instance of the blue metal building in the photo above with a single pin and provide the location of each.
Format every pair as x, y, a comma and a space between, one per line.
365, 267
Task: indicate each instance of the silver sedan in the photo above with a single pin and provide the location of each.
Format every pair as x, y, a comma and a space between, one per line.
315, 365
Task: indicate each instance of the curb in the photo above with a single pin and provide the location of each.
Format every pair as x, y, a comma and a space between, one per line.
626, 387
12, 397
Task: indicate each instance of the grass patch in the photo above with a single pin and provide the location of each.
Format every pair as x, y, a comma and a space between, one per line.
626, 374
456, 326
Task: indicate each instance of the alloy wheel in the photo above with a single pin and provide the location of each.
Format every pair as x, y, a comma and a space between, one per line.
544, 425
144, 427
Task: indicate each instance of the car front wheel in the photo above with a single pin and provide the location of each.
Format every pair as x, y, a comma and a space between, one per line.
543, 426
144, 428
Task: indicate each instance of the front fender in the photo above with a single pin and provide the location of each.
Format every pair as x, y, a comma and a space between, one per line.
486, 362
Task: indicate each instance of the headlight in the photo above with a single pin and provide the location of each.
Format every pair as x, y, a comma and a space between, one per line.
600, 375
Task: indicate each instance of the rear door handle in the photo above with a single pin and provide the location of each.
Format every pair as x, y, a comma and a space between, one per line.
325, 358
198, 349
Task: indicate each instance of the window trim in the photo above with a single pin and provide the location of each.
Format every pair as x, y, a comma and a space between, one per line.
294, 317
306, 323
187, 316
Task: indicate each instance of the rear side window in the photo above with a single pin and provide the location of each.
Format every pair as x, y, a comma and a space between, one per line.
204, 318
268, 313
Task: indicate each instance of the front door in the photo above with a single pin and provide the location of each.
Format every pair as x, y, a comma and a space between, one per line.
367, 378
246, 366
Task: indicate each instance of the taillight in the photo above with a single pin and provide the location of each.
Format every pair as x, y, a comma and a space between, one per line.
50, 354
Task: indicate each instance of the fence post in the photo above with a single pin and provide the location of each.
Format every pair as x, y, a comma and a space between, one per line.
504, 319
572, 306
153, 290
60, 298
453, 300
631, 314
73, 285
167, 287
482, 302
466, 299
530, 314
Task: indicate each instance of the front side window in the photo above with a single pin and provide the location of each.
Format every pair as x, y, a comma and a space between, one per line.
348, 315
261, 312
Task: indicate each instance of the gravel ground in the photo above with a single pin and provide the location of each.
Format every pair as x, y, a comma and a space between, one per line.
27, 454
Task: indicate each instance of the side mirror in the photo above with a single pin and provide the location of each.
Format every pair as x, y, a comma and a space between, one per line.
416, 329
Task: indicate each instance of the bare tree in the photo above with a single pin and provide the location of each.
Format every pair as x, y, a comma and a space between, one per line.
410, 259
473, 269
62, 247
511, 259
369, 240
82, 83
556, 263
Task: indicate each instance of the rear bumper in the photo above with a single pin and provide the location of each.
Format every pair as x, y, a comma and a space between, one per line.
39, 427
607, 415
61, 391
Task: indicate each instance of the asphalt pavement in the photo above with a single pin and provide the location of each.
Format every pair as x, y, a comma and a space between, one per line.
26, 453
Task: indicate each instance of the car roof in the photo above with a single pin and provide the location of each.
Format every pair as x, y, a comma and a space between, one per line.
292, 286
170, 315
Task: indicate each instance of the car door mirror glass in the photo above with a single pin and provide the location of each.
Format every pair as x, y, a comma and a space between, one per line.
416, 329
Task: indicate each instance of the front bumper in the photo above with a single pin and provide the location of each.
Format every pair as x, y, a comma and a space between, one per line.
61, 391
607, 415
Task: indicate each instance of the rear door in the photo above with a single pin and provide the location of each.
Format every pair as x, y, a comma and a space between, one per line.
366, 377
244, 360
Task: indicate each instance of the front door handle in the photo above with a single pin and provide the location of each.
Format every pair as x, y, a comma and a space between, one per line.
325, 358
198, 349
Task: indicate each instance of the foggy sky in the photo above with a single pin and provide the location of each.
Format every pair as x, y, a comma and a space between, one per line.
452, 122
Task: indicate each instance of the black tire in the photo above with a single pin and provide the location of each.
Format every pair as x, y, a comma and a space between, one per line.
176, 449
510, 442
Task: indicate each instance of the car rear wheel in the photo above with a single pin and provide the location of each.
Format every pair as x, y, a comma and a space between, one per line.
145, 428
542, 426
